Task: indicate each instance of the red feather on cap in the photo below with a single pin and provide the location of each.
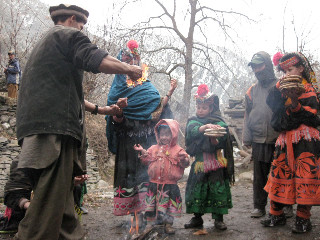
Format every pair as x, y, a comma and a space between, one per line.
276, 58
202, 90
132, 44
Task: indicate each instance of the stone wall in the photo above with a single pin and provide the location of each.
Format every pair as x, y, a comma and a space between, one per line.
9, 148
7, 117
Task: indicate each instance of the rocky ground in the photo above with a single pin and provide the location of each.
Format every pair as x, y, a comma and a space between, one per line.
100, 223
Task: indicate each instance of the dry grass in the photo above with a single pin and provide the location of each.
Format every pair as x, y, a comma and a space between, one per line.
96, 134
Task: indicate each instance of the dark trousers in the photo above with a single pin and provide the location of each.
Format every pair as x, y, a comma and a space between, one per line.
303, 211
51, 214
17, 187
260, 178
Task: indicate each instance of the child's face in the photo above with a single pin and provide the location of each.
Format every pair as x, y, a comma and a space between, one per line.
294, 71
203, 110
165, 136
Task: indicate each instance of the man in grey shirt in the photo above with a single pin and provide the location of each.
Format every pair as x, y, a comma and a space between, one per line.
257, 132
50, 119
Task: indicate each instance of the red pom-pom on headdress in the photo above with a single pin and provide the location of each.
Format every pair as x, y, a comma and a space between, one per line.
203, 90
276, 58
132, 44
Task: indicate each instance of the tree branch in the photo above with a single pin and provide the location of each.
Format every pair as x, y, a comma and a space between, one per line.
221, 11
167, 48
214, 75
173, 21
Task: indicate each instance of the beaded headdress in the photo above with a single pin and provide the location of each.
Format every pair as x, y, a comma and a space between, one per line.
203, 95
130, 52
298, 57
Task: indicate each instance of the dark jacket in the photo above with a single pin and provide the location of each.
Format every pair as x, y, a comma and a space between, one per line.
13, 72
51, 95
257, 122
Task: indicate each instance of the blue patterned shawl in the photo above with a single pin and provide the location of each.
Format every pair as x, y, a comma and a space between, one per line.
142, 99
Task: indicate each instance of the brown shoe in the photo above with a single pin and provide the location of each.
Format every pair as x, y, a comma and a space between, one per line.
168, 229
257, 213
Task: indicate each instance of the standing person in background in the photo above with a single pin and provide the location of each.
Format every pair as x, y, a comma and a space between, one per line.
295, 175
13, 74
50, 119
257, 131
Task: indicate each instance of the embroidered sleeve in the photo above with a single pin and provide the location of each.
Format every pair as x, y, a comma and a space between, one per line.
305, 112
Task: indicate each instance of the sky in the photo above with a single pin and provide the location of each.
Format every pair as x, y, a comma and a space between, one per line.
270, 19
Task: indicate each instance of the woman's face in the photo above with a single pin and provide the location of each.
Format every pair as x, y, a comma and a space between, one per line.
294, 70
127, 59
203, 110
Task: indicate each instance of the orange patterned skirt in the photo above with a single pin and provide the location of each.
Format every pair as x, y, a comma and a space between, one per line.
295, 171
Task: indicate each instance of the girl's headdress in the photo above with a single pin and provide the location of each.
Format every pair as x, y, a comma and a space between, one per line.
203, 95
130, 52
276, 58
294, 58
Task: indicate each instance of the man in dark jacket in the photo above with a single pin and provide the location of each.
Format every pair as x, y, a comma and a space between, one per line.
50, 119
13, 74
257, 132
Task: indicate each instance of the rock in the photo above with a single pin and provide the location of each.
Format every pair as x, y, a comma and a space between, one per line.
246, 176
4, 118
243, 153
89, 151
4, 158
3, 140
6, 125
239, 165
12, 122
247, 159
111, 161
102, 184
11, 132
14, 142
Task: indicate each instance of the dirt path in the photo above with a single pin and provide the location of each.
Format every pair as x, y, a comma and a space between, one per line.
100, 224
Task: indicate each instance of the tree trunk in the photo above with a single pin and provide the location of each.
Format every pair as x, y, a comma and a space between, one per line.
188, 83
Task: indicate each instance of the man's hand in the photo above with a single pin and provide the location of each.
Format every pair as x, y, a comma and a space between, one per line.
80, 179
122, 102
110, 110
135, 72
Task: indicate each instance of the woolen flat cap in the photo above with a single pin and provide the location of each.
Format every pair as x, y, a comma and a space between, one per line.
256, 60
65, 9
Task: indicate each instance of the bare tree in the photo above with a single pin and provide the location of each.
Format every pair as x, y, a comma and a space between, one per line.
187, 46
21, 25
